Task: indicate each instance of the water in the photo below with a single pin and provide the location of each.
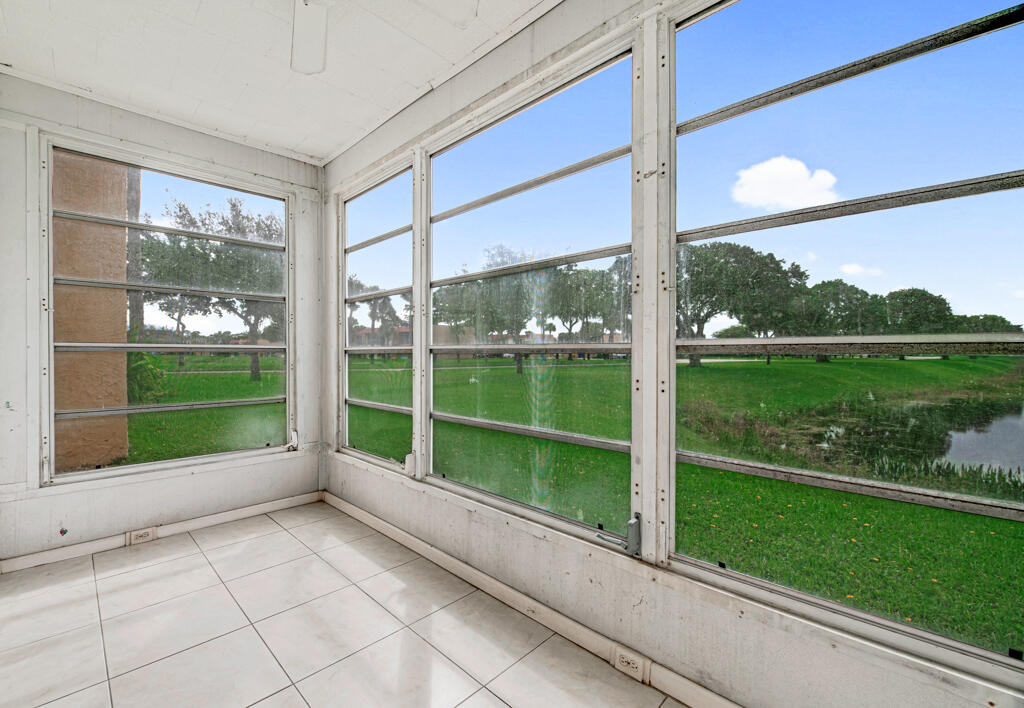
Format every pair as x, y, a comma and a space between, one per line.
1000, 443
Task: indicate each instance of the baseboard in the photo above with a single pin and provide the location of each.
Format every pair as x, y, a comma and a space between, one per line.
29, 560
658, 676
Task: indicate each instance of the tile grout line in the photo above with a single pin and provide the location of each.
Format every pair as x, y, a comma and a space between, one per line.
68, 695
103, 639
516, 663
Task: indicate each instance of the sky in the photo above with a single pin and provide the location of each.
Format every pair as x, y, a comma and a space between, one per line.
945, 116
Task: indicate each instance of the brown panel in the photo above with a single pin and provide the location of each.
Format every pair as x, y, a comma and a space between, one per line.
89, 185
87, 443
93, 380
82, 249
89, 314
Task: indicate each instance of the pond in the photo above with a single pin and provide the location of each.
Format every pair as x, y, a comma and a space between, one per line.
999, 444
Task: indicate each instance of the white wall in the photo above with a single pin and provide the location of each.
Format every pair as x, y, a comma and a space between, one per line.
30, 516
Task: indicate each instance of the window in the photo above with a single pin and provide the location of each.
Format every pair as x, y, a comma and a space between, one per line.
531, 305
850, 356
169, 317
378, 320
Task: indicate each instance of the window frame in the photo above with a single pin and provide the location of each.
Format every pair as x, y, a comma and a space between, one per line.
189, 169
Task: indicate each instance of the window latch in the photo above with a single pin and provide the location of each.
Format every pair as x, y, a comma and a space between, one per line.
632, 542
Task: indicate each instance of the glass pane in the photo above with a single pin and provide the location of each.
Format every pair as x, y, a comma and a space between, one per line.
382, 433
380, 322
949, 572
382, 209
382, 266
109, 315
542, 138
900, 271
115, 379
588, 210
381, 378
889, 130
758, 45
588, 301
90, 185
581, 483
574, 393
107, 441
102, 252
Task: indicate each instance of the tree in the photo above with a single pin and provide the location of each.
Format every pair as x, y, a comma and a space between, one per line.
734, 332
984, 324
917, 311
850, 310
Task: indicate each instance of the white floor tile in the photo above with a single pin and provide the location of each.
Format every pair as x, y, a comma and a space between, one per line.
305, 514
147, 586
311, 636
401, 670
358, 560
41, 615
414, 590
234, 531
671, 702
321, 535
559, 673
138, 638
288, 698
246, 557
233, 670
45, 578
483, 699
284, 586
51, 668
97, 696
122, 560
482, 635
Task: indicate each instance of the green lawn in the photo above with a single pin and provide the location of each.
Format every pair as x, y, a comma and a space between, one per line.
958, 574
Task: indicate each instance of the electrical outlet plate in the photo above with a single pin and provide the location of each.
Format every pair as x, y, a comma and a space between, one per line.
141, 536
632, 664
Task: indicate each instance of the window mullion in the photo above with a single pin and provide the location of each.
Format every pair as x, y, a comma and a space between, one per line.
421, 315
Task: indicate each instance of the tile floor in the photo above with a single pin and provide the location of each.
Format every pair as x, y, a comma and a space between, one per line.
303, 606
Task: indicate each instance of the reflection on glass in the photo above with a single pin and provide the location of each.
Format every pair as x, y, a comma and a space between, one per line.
758, 45
950, 267
588, 210
98, 187
540, 139
381, 378
107, 441
110, 315
580, 302
949, 572
584, 484
82, 249
950, 423
576, 393
880, 132
380, 322
382, 266
114, 379
382, 209
382, 433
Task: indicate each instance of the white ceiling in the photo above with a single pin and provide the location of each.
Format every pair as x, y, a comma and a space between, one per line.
222, 66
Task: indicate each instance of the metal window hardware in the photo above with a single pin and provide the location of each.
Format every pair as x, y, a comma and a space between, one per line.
632, 542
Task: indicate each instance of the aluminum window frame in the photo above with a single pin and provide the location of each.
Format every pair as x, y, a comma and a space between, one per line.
48, 141
342, 197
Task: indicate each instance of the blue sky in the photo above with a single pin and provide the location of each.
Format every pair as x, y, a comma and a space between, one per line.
949, 115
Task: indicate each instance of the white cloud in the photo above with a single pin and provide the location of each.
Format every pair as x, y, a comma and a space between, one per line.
783, 183
858, 269
1019, 293
811, 256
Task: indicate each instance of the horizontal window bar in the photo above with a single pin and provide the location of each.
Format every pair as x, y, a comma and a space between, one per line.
166, 230
529, 431
162, 408
886, 490
158, 347
954, 35
377, 239
405, 410
552, 262
371, 458
891, 200
560, 348
90, 283
936, 344
378, 350
526, 186
379, 293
